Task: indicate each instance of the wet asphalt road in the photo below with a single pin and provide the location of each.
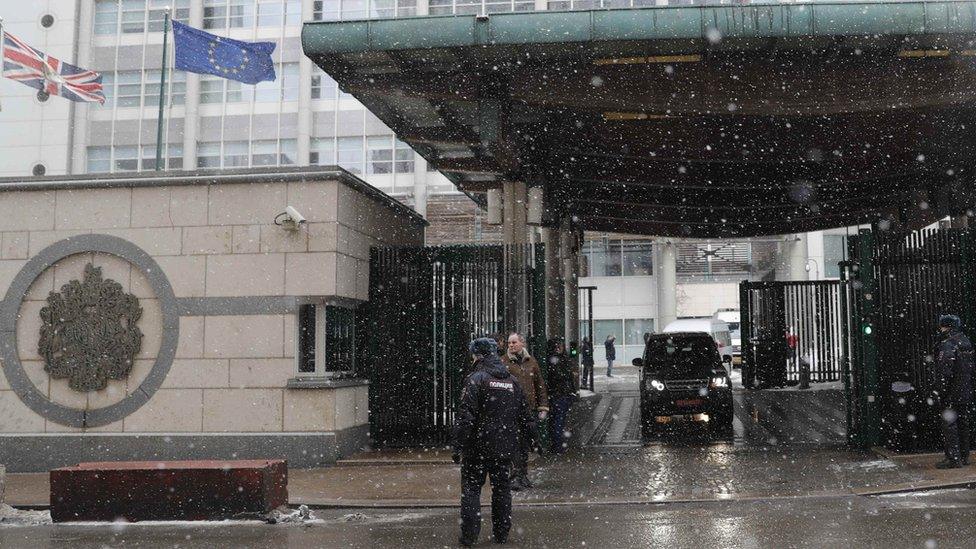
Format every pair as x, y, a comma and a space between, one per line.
938, 519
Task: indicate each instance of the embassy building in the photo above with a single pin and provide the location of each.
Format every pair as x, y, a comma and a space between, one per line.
225, 300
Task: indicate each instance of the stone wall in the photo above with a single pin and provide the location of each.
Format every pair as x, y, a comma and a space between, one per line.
236, 281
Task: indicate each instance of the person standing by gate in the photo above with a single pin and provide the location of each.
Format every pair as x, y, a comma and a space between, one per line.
491, 417
586, 359
954, 360
611, 353
526, 370
563, 387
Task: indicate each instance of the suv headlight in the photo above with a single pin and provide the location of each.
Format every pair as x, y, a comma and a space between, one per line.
655, 384
719, 382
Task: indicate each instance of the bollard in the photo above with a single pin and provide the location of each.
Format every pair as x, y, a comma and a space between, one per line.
804, 373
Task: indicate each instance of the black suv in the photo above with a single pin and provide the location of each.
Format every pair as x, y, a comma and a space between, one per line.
682, 374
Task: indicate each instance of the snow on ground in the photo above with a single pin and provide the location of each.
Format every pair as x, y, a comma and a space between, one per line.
873, 465
10, 516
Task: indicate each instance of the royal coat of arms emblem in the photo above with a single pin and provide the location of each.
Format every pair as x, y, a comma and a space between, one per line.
89, 333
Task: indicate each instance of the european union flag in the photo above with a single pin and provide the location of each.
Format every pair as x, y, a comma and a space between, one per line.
205, 53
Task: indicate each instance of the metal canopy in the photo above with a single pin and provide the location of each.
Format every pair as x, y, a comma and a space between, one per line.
685, 121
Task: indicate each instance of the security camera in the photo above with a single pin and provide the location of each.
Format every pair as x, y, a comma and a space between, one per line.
290, 219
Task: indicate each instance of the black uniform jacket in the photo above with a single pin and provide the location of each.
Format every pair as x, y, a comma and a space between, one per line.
492, 414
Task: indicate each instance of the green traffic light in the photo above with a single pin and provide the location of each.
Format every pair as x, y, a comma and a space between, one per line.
867, 330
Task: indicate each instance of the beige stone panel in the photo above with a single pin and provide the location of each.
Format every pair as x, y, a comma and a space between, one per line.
189, 205
169, 410
190, 343
253, 336
346, 275
316, 200
245, 274
311, 274
309, 410
261, 372
151, 325
8, 270
186, 274
42, 239
277, 239
323, 237
246, 204
113, 393
139, 372
359, 244
289, 344
114, 427
350, 210
197, 373
155, 241
35, 372
247, 239
150, 207
242, 410
71, 268
14, 245
208, 240
27, 211
92, 208
345, 409
362, 405
16, 417
64, 395
344, 240
113, 268
29, 330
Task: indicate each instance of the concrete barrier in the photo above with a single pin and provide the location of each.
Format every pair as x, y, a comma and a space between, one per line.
168, 490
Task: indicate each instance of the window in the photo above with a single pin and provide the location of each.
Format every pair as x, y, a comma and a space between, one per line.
274, 13
108, 87
128, 88
99, 159
379, 155
404, 157
285, 88
325, 10
604, 328
637, 258
835, 251
635, 328
172, 157
323, 86
208, 155
714, 258
175, 86
473, 7
349, 154
306, 339
126, 159
106, 17
326, 341
289, 152
214, 89
322, 152
235, 154
220, 14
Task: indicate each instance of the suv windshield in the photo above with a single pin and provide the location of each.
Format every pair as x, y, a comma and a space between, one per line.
681, 357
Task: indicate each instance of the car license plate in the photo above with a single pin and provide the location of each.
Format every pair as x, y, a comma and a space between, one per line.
689, 402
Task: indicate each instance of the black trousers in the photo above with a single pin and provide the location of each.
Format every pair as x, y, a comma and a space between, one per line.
474, 469
955, 431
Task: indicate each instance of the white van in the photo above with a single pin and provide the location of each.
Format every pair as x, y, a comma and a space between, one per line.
733, 319
718, 329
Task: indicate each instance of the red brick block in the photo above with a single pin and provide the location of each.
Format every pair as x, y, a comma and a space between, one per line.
168, 490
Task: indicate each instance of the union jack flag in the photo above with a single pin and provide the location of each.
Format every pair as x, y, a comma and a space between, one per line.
38, 70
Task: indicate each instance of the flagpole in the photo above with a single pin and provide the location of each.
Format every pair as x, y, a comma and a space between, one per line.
162, 95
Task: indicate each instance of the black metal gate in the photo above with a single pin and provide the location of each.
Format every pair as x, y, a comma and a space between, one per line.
789, 326
904, 281
425, 304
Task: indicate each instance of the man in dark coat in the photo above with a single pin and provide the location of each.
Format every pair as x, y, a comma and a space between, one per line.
563, 389
491, 418
611, 353
586, 360
954, 361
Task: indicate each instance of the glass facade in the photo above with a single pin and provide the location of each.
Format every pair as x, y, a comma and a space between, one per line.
617, 257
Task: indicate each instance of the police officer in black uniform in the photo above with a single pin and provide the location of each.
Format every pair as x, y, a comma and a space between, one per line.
491, 416
954, 360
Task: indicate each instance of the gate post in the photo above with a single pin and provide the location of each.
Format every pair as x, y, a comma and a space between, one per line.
869, 432
745, 334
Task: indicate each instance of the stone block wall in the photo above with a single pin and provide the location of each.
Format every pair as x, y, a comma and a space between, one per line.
236, 280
